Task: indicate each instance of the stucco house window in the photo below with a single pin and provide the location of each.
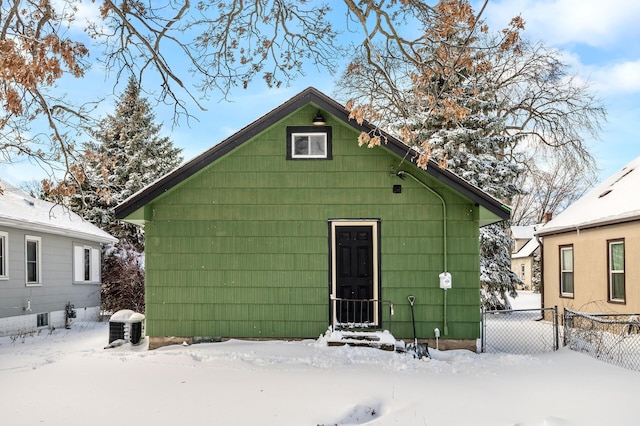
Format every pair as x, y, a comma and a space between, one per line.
308, 143
566, 271
32, 259
616, 271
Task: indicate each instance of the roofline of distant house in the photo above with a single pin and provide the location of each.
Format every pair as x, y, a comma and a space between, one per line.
586, 226
56, 230
309, 95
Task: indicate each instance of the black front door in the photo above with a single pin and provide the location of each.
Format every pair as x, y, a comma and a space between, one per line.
354, 274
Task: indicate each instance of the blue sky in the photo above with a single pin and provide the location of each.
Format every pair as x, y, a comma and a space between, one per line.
600, 40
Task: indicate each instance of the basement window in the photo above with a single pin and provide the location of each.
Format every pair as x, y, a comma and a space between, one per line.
308, 143
42, 320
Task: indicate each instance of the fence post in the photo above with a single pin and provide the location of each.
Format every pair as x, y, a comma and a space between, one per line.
555, 326
483, 329
567, 321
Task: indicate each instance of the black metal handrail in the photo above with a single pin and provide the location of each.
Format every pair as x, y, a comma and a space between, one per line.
360, 313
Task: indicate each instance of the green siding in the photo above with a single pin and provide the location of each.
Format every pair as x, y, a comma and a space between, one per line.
241, 248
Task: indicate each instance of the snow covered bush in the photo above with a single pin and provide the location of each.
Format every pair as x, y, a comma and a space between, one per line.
122, 279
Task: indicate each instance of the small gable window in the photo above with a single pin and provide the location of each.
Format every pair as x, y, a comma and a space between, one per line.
308, 143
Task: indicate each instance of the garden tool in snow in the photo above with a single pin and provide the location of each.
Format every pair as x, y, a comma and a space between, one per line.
418, 350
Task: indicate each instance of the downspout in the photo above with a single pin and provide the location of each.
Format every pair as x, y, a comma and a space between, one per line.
401, 175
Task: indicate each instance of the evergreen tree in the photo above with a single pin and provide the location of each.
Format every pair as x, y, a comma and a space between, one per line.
536, 273
471, 141
475, 148
126, 155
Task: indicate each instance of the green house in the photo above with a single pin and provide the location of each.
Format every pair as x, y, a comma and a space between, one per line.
288, 227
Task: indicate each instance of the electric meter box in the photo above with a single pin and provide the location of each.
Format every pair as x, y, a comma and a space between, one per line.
445, 280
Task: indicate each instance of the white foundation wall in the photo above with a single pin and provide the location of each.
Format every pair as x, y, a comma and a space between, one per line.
28, 323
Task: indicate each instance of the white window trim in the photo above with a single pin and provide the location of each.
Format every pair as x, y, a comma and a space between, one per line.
334, 277
562, 271
615, 271
293, 147
38, 241
4, 241
78, 264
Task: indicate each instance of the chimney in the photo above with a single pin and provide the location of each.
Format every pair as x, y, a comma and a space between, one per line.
547, 217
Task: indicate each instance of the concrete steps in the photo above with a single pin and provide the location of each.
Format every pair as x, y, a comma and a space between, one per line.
373, 339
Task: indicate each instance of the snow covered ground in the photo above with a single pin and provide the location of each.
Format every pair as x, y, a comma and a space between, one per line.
66, 377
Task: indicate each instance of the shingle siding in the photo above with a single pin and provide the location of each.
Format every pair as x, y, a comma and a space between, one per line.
240, 249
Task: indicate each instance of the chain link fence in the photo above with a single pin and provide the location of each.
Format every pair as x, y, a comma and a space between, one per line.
521, 331
611, 338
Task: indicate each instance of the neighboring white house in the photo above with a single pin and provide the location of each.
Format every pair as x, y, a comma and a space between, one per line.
49, 263
525, 248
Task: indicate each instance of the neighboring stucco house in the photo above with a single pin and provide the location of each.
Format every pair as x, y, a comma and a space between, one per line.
591, 251
525, 248
286, 228
49, 258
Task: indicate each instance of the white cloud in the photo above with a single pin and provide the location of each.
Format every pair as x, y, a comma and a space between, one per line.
85, 12
615, 78
598, 39
622, 78
592, 22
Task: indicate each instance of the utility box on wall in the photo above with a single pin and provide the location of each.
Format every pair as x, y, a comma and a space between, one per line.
445, 280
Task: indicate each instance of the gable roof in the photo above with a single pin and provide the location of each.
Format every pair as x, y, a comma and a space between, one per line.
523, 232
20, 210
527, 250
613, 201
329, 106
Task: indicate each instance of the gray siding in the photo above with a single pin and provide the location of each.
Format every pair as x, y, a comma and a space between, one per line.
56, 286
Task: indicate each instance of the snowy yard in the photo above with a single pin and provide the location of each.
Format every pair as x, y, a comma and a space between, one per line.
66, 377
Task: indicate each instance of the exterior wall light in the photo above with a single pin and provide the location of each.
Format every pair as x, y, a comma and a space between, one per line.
318, 120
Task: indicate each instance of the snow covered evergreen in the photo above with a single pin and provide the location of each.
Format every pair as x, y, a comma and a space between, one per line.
126, 155
476, 147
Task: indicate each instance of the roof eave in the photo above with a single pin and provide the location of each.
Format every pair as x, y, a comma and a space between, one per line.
56, 230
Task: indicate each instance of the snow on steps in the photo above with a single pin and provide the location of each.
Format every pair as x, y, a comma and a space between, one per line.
373, 339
